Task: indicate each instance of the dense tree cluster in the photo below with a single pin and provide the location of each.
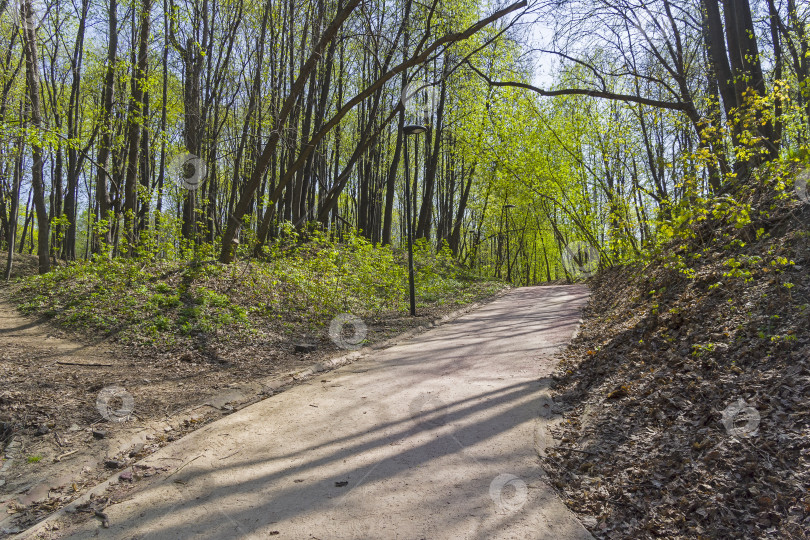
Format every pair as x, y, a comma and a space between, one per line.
221, 125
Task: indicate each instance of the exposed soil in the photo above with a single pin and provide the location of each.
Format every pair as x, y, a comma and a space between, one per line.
685, 399
56, 442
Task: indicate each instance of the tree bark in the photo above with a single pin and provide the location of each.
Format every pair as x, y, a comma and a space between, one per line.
426, 210
455, 236
235, 220
107, 89
134, 122
75, 158
12, 218
32, 80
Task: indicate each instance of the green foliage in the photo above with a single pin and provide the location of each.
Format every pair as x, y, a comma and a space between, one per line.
166, 301
438, 277
319, 278
127, 297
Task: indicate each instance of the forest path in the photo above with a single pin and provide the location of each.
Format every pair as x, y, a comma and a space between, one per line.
434, 438
35, 358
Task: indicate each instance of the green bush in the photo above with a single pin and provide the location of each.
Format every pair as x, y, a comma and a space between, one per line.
160, 301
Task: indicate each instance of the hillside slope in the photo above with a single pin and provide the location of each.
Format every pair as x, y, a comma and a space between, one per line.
685, 395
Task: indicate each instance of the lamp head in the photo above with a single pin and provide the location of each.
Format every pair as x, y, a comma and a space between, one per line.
413, 129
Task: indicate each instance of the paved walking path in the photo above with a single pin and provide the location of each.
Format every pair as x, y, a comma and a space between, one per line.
434, 438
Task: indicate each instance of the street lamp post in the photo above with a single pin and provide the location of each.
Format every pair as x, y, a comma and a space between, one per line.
411, 129
506, 207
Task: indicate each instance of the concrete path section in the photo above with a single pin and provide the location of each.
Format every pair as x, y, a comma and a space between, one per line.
434, 438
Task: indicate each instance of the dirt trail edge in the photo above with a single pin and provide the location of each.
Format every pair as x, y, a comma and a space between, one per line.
434, 438
21, 340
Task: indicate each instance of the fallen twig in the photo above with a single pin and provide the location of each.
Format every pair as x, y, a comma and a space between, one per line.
183, 465
57, 459
90, 364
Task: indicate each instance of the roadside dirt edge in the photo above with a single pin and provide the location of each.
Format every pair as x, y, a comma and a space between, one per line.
265, 389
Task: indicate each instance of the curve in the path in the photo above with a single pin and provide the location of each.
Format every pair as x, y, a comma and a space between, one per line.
432, 438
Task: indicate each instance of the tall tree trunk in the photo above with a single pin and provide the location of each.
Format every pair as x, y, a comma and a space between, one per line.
191, 54
107, 89
253, 98
717, 52
773, 16
164, 100
74, 161
462, 206
12, 218
426, 211
28, 215
145, 166
134, 122
391, 181
57, 193
32, 80
746, 65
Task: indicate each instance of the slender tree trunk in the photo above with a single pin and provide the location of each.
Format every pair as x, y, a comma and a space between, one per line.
164, 100
28, 215
32, 80
717, 53
426, 211
746, 65
74, 161
12, 218
391, 182
773, 15
107, 89
134, 122
462, 207
145, 166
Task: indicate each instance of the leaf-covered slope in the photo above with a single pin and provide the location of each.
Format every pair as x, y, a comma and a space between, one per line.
686, 392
